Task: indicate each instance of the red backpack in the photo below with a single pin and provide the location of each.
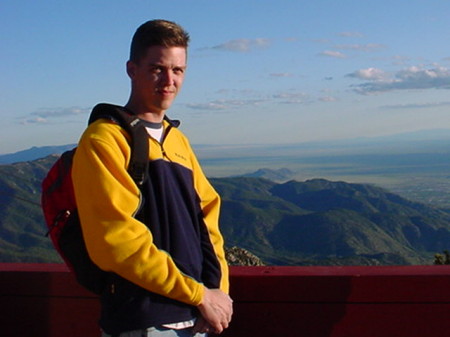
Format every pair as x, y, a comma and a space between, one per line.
58, 201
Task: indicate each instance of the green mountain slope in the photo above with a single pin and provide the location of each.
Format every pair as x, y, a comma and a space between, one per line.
324, 222
22, 229
316, 222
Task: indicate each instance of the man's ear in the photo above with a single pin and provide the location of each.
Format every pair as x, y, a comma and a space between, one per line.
131, 69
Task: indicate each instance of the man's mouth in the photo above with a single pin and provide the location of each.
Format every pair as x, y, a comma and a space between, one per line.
165, 92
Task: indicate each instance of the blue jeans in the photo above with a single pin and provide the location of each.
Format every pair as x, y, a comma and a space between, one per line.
159, 332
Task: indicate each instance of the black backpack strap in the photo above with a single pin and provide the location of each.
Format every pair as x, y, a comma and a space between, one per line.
138, 167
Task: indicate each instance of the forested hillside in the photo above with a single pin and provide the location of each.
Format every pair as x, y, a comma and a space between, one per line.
315, 222
22, 228
324, 222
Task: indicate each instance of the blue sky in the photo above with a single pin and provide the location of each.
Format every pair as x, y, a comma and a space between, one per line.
259, 72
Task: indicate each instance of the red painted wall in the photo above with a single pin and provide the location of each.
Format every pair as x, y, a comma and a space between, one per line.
411, 301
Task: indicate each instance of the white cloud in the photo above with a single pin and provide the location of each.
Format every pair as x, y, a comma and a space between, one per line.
371, 74
418, 75
416, 105
406, 79
350, 34
60, 112
227, 91
328, 99
45, 115
36, 120
321, 41
207, 106
291, 39
292, 97
361, 47
281, 75
222, 104
243, 45
331, 53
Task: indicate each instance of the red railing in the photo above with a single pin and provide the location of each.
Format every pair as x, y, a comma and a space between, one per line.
411, 301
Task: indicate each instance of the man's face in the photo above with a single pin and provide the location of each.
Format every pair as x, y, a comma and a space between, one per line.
157, 77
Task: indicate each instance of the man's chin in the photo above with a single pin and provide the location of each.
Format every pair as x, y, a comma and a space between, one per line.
164, 106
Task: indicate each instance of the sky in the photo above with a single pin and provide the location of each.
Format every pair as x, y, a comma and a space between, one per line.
259, 71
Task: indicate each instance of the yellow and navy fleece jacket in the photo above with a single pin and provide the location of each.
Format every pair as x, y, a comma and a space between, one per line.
161, 242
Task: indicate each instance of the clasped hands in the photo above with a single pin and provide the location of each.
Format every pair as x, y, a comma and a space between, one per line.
216, 311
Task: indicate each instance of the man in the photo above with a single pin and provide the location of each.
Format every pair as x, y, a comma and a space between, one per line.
161, 243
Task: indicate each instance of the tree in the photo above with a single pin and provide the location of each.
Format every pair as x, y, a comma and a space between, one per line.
441, 259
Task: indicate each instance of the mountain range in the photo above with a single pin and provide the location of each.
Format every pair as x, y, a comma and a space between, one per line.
312, 222
34, 153
423, 141
320, 222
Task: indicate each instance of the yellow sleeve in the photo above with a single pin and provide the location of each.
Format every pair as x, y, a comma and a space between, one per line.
107, 199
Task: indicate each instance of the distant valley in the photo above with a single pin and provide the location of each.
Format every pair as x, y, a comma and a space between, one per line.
415, 165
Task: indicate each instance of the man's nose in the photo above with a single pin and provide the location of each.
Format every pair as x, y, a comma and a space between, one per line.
167, 77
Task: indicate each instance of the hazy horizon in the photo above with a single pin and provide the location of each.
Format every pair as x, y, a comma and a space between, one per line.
416, 136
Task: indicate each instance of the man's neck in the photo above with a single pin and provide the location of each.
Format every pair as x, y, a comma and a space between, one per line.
145, 114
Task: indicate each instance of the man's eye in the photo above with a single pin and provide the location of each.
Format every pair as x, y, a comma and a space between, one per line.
156, 70
178, 70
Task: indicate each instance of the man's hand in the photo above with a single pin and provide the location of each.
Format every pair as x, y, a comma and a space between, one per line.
216, 309
201, 326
